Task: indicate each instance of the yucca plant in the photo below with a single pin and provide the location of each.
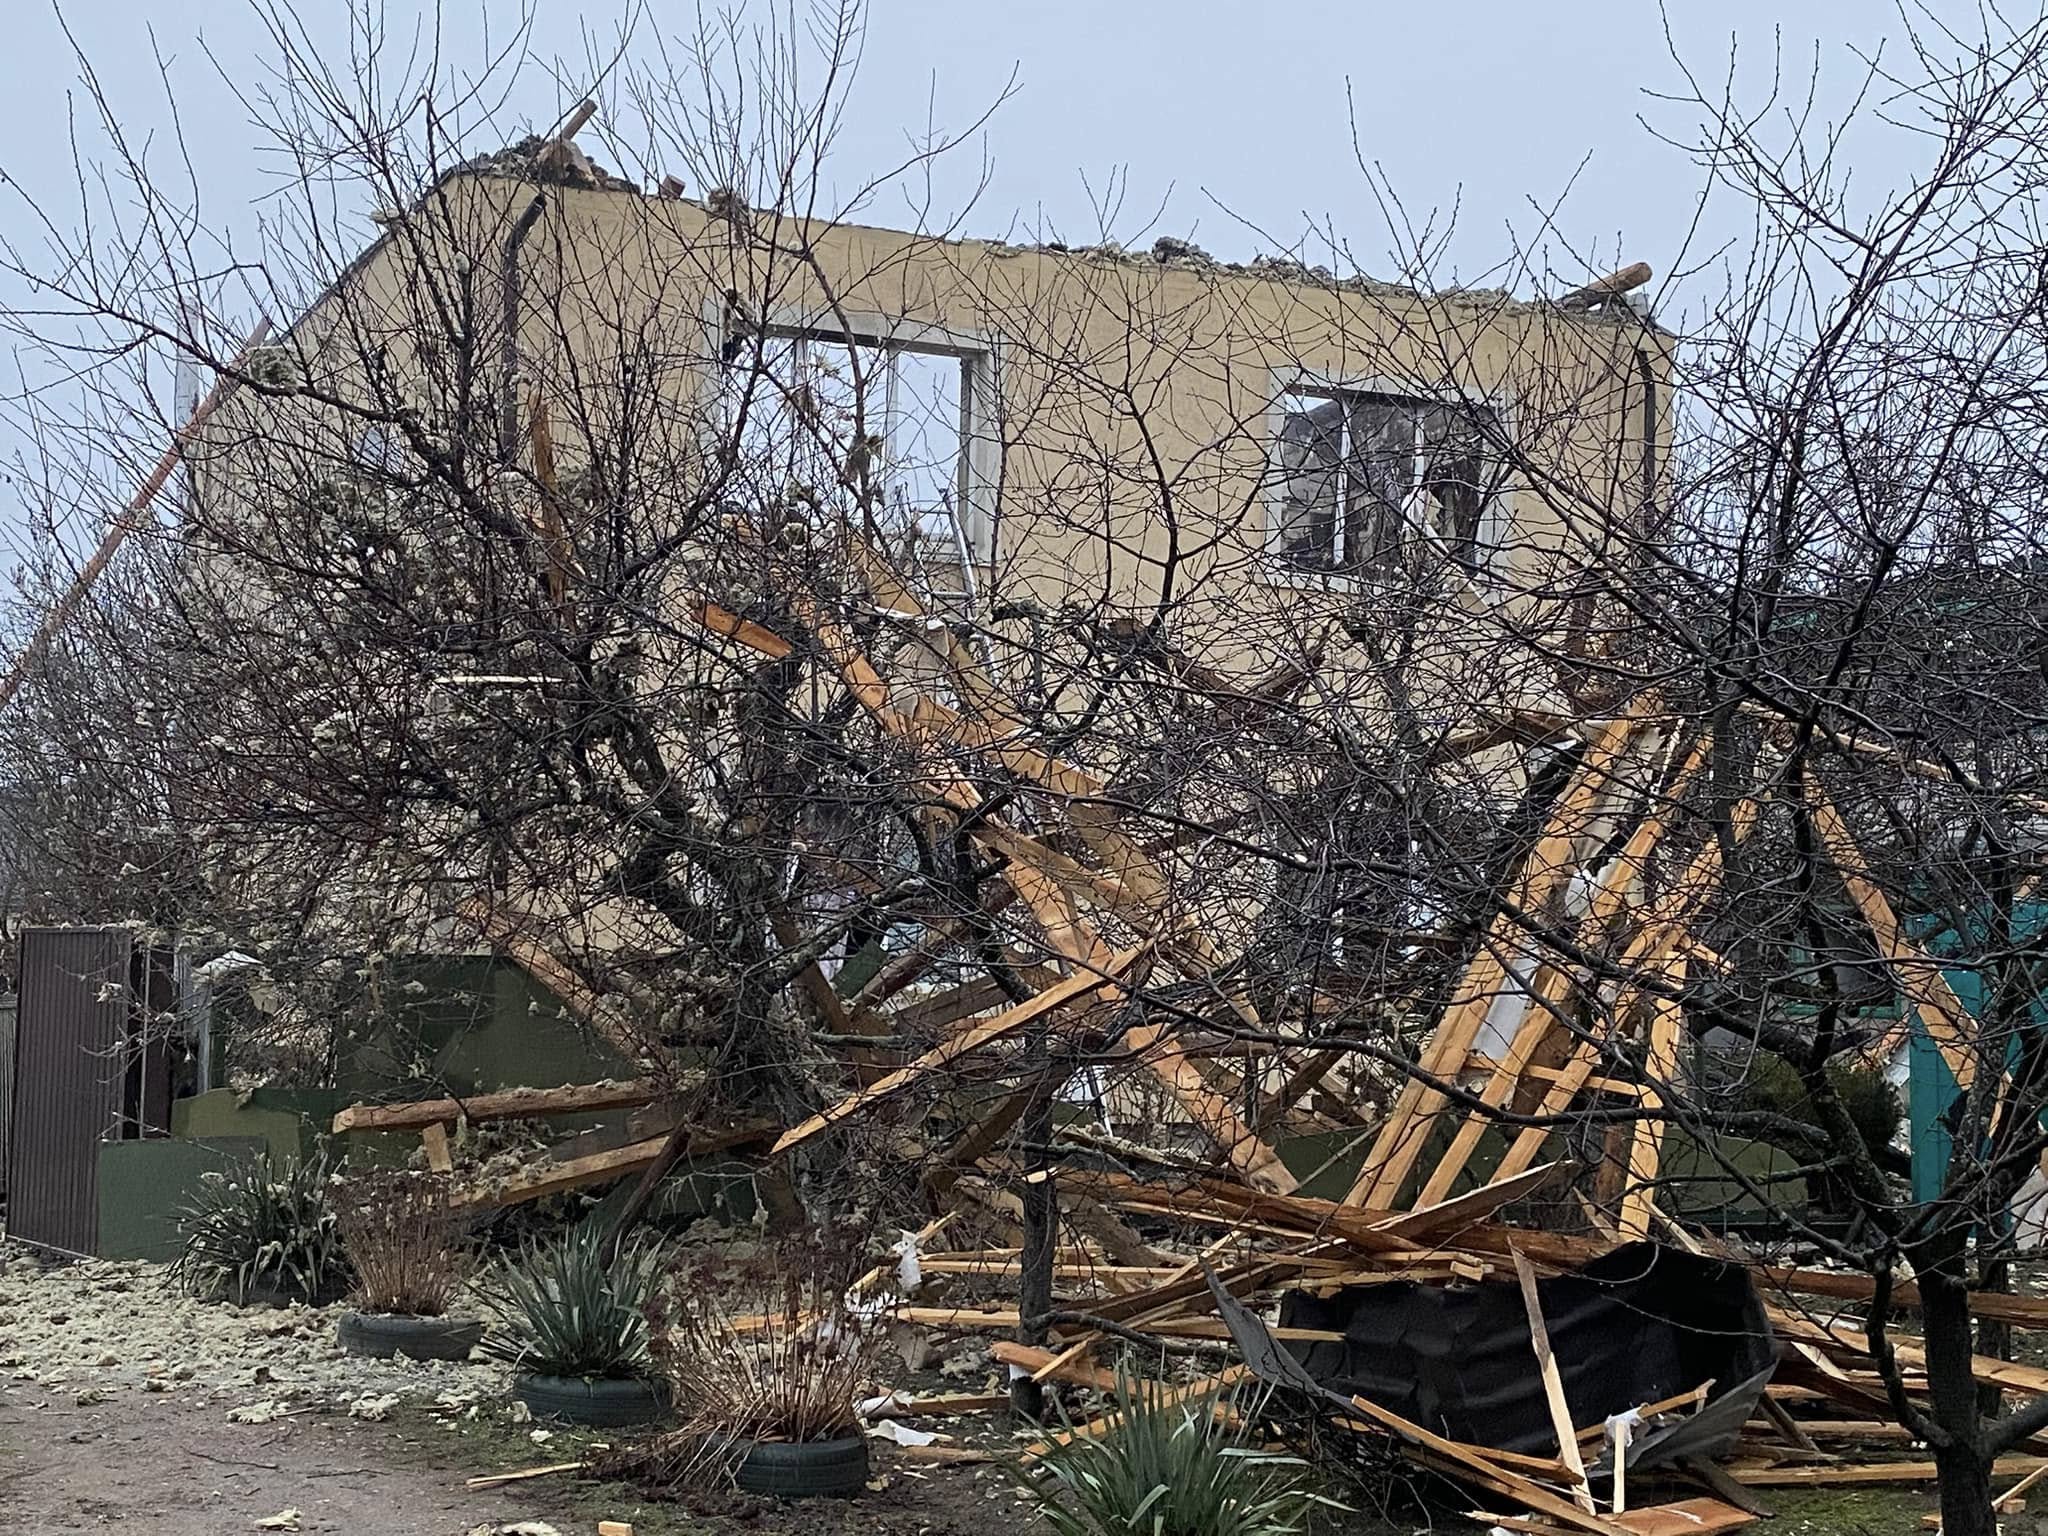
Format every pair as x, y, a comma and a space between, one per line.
1171, 1469
259, 1230
567, 1306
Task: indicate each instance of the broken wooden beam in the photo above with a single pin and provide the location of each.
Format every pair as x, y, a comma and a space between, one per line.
1868, 1472
1607, 288
1004, 1024
506, 1104
600, 1167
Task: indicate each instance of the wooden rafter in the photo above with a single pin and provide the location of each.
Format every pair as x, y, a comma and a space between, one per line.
1549, 866
1919, 975
1648, 953
1555, 981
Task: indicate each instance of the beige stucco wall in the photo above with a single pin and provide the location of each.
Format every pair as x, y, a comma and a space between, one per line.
1136, 397
1125, 467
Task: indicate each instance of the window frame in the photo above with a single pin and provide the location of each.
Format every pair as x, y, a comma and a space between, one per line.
1496, 515
979, 478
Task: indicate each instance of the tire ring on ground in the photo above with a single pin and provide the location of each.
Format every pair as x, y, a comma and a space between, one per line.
814, 1469
582, 1400
381, 1335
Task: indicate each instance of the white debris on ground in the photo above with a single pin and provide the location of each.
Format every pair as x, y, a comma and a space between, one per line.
80, 1332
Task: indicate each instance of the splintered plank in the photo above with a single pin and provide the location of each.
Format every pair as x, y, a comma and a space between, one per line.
510, 1104
524, 1475
1553, 1386
2023, 1311
1920, 976
722, 621
1194, 1391
600, 1167
1474, 1205
1868, 1472
1489, 1470
1686, 1517
1646, 1140
1043, 1363
1053, 998
1550, 864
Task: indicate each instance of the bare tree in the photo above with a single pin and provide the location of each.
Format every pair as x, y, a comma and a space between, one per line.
801, 639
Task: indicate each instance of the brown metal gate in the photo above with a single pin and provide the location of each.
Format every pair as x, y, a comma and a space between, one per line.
88, 1067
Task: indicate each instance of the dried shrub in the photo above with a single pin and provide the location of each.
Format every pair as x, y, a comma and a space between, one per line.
410, 1248
779, 1351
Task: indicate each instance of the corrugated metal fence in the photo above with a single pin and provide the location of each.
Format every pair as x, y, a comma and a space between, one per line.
6, 1081
72, 1079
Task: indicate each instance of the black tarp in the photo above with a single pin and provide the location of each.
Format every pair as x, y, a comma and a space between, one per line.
1635, 1326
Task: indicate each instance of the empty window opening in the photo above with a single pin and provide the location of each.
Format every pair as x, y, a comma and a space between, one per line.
1367, 479
880, 428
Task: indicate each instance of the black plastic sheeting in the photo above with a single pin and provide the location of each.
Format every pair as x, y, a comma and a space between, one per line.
1635, 1326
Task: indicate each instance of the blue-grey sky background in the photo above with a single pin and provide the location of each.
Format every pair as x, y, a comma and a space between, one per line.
1237, 119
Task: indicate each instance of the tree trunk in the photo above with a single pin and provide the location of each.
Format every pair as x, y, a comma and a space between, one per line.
1965, 1485
1041, 1235
1963, 1465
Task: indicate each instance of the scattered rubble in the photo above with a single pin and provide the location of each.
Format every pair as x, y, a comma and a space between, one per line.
96, 1327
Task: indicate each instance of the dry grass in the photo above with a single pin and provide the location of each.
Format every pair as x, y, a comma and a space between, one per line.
774, 1352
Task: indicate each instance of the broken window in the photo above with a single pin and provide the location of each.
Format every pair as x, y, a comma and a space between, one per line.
879, 428
1365, 479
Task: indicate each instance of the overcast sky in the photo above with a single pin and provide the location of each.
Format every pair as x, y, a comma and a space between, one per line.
1239, 118
1487, 104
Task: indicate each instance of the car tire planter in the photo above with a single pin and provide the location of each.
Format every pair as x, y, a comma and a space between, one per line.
808, 1470
594, 1401
264, 1293
381, 1335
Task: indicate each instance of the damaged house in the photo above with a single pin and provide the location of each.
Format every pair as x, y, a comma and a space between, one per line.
1116, 745
488, 557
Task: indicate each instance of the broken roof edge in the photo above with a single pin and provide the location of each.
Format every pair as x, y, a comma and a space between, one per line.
1168, 253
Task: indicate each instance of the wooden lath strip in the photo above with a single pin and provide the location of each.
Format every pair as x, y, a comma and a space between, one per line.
1920, 976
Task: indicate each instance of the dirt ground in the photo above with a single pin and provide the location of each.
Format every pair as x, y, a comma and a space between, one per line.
126, 1407
176, 1466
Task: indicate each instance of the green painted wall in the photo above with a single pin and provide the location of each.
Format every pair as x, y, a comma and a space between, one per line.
460, 1024
286, 1121
142, 1185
